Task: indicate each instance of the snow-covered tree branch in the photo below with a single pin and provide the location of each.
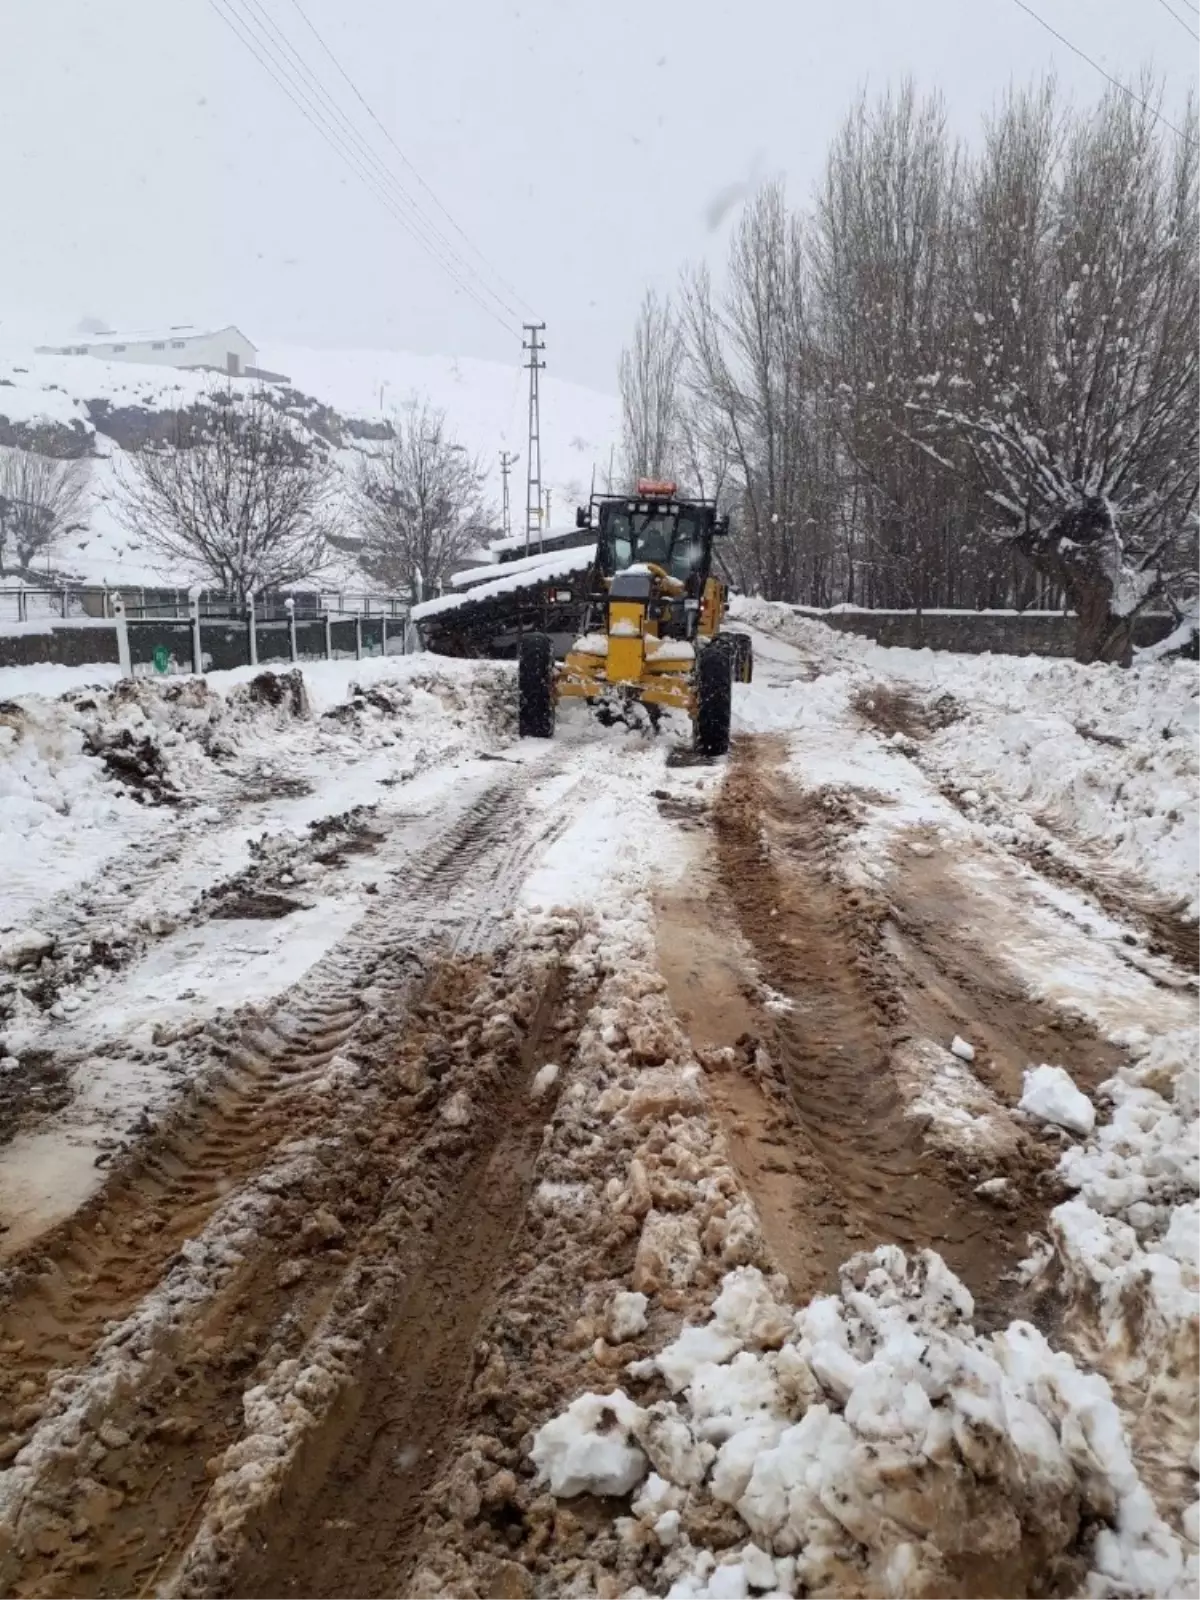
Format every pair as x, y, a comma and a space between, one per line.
421, 504
41, 499
237, 497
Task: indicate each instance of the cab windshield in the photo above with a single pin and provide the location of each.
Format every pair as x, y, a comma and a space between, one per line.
671, 540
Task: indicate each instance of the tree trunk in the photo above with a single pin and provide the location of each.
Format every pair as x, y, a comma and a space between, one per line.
1099, 635
1081, 550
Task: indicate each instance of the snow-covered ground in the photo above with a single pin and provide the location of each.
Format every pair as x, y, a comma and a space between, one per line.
1093, 759
658, 1327
848, 1433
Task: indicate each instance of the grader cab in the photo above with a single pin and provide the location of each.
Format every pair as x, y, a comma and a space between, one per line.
651, 630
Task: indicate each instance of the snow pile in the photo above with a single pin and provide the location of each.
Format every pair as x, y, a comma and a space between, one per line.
1125, 1252
83, 775
871, 1442
1050, 1095
1102, 759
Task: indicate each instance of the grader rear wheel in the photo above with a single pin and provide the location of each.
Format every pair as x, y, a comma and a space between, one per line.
535, 687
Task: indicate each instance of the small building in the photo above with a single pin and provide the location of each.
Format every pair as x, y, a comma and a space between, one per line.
220, 349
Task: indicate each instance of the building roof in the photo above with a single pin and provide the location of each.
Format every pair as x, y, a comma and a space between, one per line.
185, 330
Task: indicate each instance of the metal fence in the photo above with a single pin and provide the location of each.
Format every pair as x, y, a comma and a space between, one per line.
19, 603
149, 645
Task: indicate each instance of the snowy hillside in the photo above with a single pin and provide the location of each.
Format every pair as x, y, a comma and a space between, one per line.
95, 409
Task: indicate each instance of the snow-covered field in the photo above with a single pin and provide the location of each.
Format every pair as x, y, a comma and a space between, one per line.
484, 404
788, 1166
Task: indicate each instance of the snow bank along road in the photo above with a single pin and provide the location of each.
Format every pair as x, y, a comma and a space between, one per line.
434, 1163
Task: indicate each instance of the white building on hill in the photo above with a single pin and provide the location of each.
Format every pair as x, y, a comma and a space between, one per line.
225, 349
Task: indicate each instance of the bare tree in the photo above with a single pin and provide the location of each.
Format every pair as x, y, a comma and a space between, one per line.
41, 500
958, 381
750, 375
420, 503
649, 377
884, 251
1074, 405
237, 496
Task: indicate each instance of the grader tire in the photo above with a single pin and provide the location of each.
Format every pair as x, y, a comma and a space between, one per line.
535, 687
714, 700
743, 657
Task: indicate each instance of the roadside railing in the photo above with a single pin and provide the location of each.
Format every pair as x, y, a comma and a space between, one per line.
245, 636
22, 603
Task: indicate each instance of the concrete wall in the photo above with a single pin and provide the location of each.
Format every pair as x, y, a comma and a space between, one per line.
1014, 633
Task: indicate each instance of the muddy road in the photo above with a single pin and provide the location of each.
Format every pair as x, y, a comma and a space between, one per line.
611, 1028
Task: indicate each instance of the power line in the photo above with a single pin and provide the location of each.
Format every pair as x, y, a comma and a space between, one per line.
306, 85
312, 80
1173, 13
500, 279
1116, 82
336, 141
340, 146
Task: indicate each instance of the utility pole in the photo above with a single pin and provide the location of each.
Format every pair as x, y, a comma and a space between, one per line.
508, 459
533, 476
547, 510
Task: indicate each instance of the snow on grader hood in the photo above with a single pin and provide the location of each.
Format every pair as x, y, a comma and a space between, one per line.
633, 618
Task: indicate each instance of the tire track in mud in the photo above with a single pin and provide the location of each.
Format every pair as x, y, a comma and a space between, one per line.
361, 1475
861, 1170
254, 1091
370, 1227
1168, 934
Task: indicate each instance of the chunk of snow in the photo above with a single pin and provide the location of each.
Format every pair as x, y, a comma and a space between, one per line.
670, 650
992, 1187
592, 644
588, 1448
758, 1566
544, 1078
626, 1315
960, 1048
1051, 1096
694, 1348
456, 1111
25, 948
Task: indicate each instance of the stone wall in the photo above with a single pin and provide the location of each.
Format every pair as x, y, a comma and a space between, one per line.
1014, 633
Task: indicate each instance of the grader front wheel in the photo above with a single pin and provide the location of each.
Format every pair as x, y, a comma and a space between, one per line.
714, 700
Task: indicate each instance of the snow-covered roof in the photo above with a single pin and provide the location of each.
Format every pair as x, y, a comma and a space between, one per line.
516, 575
110, 336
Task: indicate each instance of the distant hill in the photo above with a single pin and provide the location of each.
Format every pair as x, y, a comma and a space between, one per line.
99, 411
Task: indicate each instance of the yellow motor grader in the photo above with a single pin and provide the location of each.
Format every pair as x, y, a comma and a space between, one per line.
651, 621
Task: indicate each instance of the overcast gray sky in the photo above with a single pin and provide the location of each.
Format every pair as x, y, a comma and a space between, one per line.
151, 172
